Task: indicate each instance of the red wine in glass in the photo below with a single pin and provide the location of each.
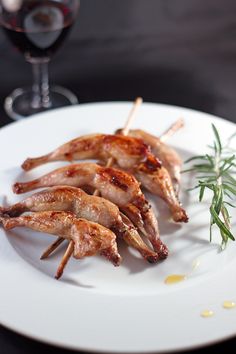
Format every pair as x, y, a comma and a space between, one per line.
37, 28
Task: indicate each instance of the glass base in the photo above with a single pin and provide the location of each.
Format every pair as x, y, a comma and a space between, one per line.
18, 104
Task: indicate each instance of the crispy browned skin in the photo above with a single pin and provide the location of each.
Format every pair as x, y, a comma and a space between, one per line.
126, 151
162, 180
115, 185
159, 183
168, 156
93, 208
89, 238
130, 154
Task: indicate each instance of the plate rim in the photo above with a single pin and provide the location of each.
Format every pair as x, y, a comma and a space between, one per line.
38, 116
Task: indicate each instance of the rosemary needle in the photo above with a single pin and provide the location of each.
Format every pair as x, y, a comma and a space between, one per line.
215, 172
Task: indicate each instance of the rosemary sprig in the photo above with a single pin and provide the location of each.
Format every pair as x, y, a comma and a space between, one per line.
215, 172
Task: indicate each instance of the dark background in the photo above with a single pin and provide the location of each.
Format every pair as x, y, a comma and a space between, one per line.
180, 52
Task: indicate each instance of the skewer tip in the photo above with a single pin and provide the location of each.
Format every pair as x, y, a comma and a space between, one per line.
139, 100
58, 276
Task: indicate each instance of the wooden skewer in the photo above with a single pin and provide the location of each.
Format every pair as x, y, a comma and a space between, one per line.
65, 259
125, 130
52, 247
70, 248
172, 129
136, 105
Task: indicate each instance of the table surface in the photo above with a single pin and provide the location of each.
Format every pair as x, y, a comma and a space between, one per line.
181, 53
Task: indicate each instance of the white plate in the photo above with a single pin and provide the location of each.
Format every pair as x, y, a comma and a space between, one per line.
96, 306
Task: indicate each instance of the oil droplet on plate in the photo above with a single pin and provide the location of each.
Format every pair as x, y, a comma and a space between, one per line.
195, 264
175, 278
229, 304
207, 313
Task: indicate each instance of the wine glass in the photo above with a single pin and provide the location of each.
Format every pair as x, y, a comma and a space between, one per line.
37, 28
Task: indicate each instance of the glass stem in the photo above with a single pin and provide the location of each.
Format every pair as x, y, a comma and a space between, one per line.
40, 87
